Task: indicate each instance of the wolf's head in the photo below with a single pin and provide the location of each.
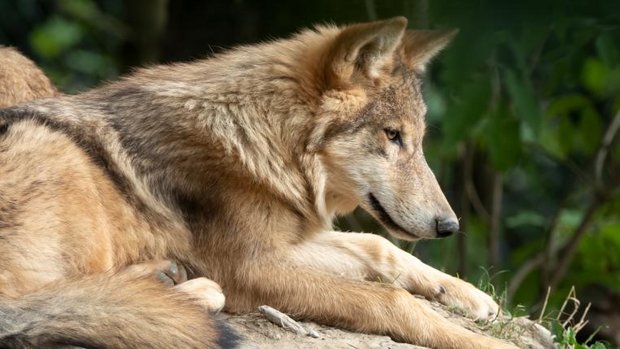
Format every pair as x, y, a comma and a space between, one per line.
370, 127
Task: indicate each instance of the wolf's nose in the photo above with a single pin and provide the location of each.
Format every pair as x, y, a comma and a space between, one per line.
446, 226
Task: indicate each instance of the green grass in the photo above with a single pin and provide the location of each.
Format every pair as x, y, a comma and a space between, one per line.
564, 326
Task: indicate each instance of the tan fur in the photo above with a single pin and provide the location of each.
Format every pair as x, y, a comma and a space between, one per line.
20, 79
133, 312
61, 215
236, 166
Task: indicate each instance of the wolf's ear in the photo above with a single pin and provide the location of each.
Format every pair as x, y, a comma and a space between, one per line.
361, 50
422, 45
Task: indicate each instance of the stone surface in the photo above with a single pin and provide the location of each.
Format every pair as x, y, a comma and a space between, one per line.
259, 333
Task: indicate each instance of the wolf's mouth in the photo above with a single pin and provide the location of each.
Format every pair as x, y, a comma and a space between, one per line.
385, 217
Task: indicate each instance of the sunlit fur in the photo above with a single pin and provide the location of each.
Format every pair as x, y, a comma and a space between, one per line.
58, 285
20, 79
236, 166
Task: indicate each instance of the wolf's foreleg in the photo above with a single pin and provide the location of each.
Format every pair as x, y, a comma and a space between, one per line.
308, 293
372, 257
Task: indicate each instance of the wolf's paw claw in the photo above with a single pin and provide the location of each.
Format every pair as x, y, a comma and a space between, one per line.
173, 274
473, 302
168, 272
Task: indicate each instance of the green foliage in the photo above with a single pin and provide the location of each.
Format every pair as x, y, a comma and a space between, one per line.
535, 102
605, 245
75, 41
533, 96
567, 338
55, 36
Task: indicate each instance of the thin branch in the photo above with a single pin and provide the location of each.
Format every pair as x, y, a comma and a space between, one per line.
463, 219
496, 212
525, 270
583, 322
286, 322
568, 252
571, 297
371, 10
538, 53
550, 241
498, 181
541, 260
470, 188
544, 308
601, 155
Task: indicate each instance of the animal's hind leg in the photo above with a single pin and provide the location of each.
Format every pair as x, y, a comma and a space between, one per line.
203, 291
53, 224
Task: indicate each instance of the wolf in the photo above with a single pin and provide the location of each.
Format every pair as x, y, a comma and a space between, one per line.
233, 167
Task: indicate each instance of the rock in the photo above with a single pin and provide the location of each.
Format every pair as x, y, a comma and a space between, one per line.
259, 333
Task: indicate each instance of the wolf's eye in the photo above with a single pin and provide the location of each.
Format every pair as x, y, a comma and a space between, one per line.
394, 136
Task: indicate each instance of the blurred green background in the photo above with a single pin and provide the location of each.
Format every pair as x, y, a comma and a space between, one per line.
524, 114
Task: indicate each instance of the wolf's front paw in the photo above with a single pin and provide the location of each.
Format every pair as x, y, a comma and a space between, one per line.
476, 304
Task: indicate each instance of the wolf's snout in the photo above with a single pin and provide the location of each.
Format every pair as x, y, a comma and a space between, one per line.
446, 226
